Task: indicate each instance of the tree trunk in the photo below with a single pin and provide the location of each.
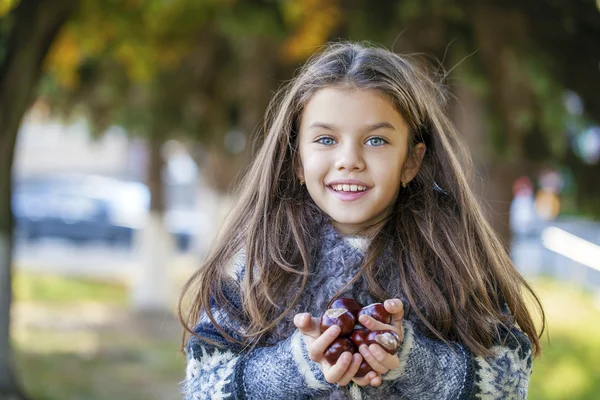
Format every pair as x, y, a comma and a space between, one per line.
506, 160
151, 289
33, 27
254, 87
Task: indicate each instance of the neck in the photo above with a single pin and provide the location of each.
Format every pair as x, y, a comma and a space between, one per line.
369, 231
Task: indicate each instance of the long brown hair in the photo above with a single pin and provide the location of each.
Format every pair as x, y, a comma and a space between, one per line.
455, 272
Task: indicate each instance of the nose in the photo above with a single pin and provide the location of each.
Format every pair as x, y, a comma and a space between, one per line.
349, 158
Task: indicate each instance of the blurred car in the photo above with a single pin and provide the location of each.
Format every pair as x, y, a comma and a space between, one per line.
87, 208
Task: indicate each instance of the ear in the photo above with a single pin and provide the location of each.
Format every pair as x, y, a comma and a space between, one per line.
412, 164
298, 168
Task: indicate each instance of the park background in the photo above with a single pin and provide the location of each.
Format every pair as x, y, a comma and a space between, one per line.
124, 125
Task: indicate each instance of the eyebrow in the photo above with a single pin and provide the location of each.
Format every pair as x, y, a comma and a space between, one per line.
369, 128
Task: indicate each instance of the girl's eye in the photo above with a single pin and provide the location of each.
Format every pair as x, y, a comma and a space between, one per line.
376, 141
327, 141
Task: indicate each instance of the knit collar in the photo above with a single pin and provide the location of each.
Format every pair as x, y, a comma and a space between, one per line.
332, 238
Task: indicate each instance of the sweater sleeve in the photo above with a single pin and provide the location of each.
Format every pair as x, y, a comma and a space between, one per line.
430, 369
280, 371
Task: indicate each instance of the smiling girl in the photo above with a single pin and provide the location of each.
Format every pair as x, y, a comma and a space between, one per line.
358, 191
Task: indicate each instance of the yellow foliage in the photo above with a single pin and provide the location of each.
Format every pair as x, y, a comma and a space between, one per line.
64, 58
312, 22
137, 61
170, 57
6, 6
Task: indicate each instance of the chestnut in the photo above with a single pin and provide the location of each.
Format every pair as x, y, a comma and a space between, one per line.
359, 336
376, 311
349, 304
337, 348
388, 340
340, 317
363, 370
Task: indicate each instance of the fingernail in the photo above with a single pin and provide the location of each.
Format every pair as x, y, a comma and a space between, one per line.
390, 303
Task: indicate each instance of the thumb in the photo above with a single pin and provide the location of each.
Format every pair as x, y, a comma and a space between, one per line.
395, 307
308, 325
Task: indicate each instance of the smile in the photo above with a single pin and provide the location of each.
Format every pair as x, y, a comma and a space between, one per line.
350, 194
348, 188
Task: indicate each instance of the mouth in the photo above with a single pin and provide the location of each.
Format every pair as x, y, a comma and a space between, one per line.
348, 191
348, 188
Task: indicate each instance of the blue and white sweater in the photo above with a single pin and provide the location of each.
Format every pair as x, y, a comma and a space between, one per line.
429, 369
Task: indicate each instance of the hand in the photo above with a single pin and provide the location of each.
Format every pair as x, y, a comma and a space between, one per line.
347, 365
380, 360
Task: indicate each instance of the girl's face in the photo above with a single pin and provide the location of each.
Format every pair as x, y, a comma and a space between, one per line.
353, 148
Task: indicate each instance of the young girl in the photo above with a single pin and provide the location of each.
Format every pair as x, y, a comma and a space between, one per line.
358, 191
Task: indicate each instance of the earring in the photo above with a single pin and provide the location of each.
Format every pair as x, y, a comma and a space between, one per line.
403, 184
301, 181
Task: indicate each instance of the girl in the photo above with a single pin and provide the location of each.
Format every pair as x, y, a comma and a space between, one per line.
357, 191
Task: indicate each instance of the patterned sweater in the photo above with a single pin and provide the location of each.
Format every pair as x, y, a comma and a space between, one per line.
429, 368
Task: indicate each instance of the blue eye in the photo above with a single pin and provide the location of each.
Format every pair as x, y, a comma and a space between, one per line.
376, 141
327, 141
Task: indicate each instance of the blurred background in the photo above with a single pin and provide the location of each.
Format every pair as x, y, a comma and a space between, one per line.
125, 123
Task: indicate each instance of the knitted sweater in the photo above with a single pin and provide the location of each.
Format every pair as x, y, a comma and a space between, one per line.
429, 368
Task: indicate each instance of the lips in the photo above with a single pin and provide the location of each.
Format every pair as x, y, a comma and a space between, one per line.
348, 196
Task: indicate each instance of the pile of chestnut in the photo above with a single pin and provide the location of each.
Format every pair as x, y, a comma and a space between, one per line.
345, 312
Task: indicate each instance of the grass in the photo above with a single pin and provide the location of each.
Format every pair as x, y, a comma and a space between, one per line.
76, 339
59, 290
569, 367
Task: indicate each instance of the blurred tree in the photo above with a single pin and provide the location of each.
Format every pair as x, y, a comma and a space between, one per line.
197, 71
148, 67
27, 29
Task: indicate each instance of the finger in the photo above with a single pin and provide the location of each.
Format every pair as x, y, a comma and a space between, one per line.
370, 358
307, 325
389, 361
374, 325
365, 380
323, 341
394, 307
376, 381
338, 370
352, 370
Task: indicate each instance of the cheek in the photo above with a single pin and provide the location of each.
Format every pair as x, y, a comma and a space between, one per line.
315, 167
387, 169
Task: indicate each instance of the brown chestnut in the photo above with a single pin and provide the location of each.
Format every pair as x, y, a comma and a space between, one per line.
376, 311
363, 370
337, 348
359, 336
340, 317
349, 304
388, 340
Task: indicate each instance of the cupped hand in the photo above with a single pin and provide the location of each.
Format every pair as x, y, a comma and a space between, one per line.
343, 371
380, 360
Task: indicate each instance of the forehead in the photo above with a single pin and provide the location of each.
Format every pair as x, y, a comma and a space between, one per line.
350, 107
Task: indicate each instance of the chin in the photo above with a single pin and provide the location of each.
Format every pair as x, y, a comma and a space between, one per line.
349, 221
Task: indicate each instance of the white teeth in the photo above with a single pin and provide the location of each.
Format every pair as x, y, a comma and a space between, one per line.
348, 188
